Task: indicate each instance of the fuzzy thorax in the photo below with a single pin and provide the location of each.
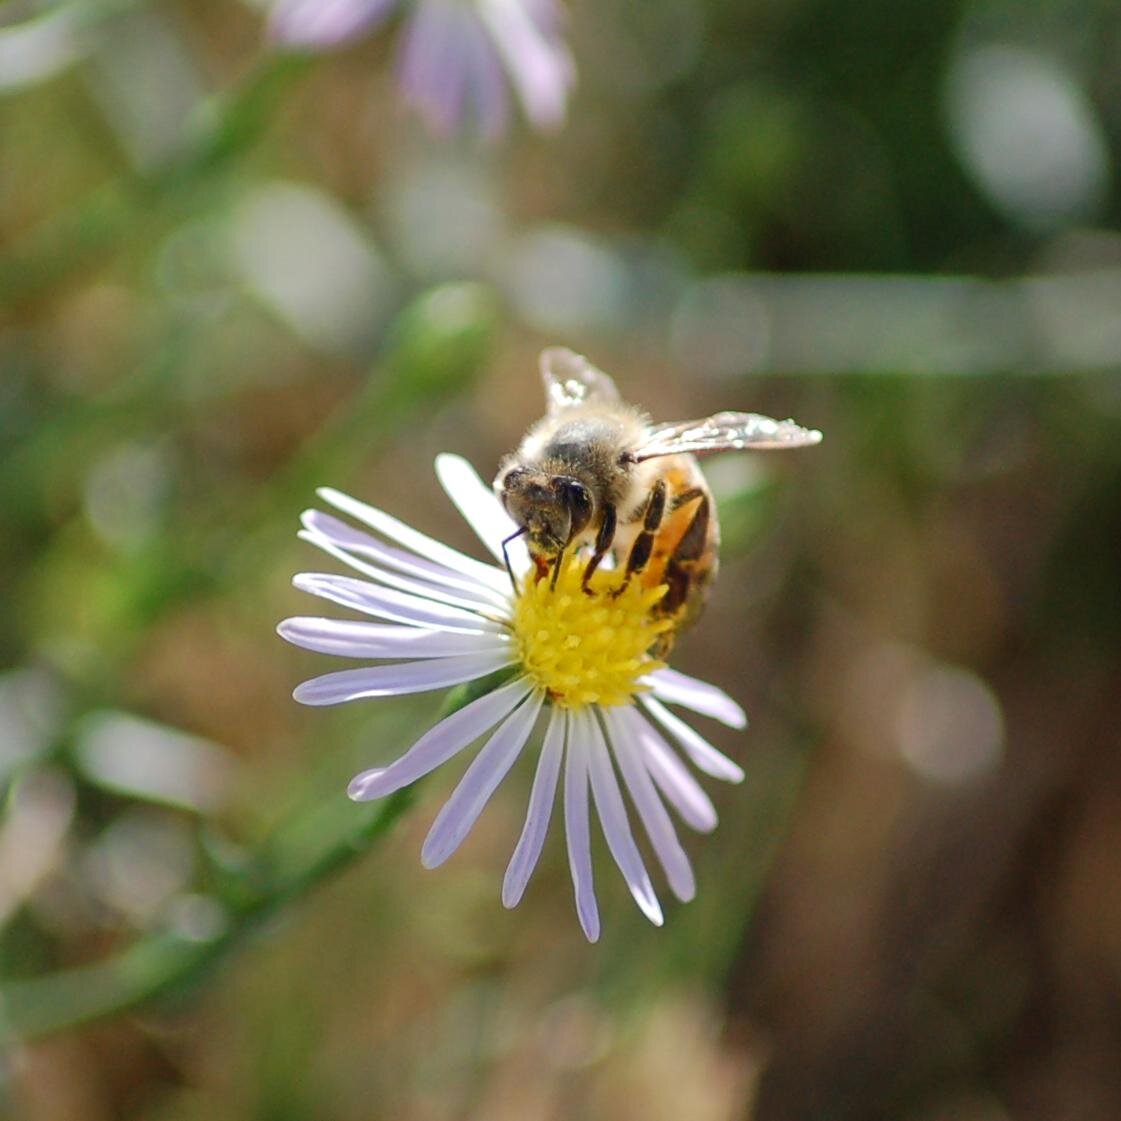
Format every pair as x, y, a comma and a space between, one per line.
583, 648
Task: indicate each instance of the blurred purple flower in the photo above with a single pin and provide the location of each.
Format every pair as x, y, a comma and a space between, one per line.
458, 58
321, 24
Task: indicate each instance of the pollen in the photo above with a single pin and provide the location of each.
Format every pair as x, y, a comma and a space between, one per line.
588, 647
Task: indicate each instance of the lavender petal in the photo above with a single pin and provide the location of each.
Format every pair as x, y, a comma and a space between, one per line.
656, 821
613, 818
700, 696
397, 607
343, 536
325, 23
578, 834
406, 677
440, 742
479, 782
704, 756
539, 66
541, 798
431, 71
490, 97
354, 638
421, 588
678, 786
415, 540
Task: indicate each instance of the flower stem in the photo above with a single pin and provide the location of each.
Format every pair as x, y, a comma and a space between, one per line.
300, 855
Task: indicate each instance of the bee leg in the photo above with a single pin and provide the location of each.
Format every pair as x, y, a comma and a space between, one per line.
692, 542
604, 538
506, 556
644, 543
556, 570
682, 574
689, 495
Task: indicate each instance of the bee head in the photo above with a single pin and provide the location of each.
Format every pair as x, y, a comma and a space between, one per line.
552, 509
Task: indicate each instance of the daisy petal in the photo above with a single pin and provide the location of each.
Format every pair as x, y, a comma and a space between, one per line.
578, 835
481, 509
539, 67
487, 85
680, 789
440, 742
407, 677
479, 782
655, 819
398, 607
541, 798
700, 696
357, 541
355, 638
413, 539
705, 757
420, 588
613, 818
325, 23
430, 68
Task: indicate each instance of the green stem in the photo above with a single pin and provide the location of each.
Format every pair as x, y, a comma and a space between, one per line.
166, 962
228, 128
306, 852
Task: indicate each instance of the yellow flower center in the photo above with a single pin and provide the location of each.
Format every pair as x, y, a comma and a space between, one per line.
587, 648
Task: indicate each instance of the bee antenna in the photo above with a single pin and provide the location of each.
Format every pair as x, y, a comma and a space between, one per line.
506, 556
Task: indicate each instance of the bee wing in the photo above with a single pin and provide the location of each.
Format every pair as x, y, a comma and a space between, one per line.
725, 432
570, 379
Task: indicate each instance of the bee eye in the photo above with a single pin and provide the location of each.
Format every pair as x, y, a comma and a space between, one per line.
512, 478
578, 500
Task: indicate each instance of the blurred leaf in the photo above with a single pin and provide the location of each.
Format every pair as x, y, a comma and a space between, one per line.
79, 236
39, 48
434, 349
300, 856
142, 759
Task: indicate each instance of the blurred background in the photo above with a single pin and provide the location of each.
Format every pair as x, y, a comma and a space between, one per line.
230, 272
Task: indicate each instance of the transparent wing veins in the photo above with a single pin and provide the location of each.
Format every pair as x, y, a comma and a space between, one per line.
570, 380
725, 432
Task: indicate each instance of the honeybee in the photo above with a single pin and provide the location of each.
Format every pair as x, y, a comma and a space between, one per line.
595, 475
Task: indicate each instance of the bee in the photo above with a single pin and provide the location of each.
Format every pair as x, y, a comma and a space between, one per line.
595, 475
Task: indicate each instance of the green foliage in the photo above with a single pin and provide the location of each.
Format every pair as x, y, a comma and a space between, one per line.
230, 275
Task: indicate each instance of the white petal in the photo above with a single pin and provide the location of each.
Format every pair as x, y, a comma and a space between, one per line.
705, 757
481, 509
578, 835
680, 789
440, 742
700, 696
422, 588
398, 607
415, 540
613, 818
479, 782
541, 798
406, 677
655, 819
357, 541
355, 638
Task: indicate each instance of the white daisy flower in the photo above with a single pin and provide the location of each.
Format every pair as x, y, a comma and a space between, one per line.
578, 665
